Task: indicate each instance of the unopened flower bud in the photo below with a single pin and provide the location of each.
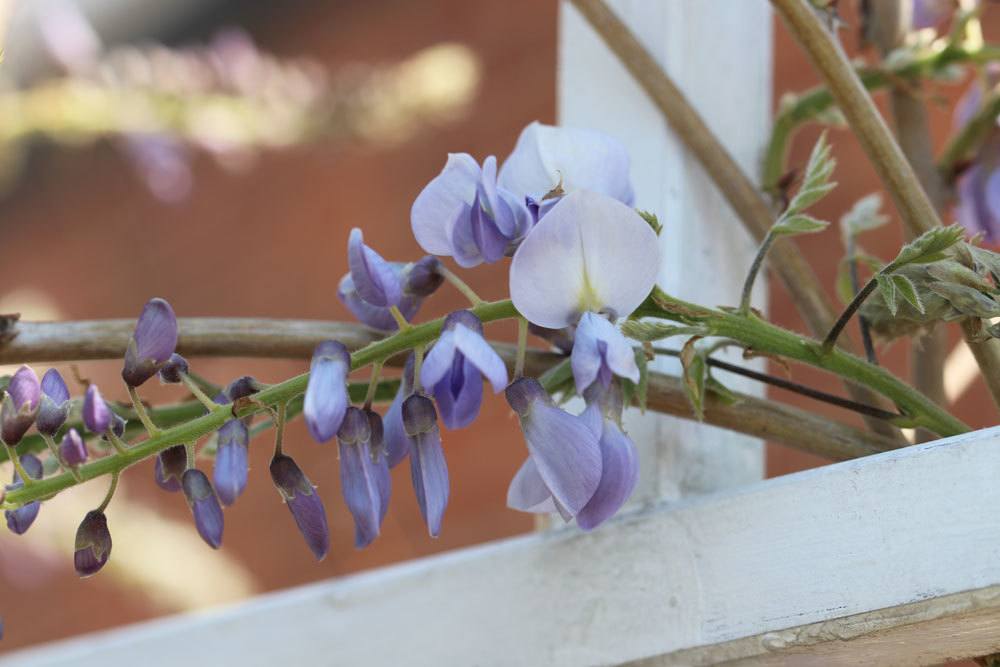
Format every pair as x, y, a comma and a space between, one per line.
423, 277
93, 544
73, 449
170, 466
55, 403
154, 340
19, 520
174, 370
303, 502
231, 466
96, 413
21, 402
204, 506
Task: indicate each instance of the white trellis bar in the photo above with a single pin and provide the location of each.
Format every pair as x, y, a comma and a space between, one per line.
893, 559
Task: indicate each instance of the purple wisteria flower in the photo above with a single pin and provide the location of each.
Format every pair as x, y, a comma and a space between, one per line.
21, 403
152, 343
600, 350
978, 187
204, 506
419, 280
169, 468
326, 397
363, 473
73, 449
619, 458
549, 162
96, 413
931, 13
375, 280
231, 465
55, 403
397, 443
428, 469
303, 502
589, 253
20, 520
93, 544
453, 367
462, 213
563, 469
380, 460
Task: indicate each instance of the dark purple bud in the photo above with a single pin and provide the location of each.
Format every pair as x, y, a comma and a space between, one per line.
326, 397
93, 544
463, 317
154, 340
303, 502
118, 424
54, 407
204, 506
96, 413
522, 394
20, 520
174, 370
374, 278
170, 466
358, 476
428, 469
423, 277
20, 405
231, 466
242, 387
73, 449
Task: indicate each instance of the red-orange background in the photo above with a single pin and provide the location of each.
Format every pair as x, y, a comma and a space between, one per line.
80, 228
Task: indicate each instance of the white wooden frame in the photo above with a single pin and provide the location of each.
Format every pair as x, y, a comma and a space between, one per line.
893, 559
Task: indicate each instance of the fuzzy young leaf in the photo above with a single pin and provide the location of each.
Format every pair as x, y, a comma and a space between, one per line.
864, 216
986, 261
695, 374
816, 182
906, 289
798, 224
950, 271
968, 301
928, 247
647, 332
888, 290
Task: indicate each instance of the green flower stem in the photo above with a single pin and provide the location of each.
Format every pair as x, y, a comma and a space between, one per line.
111, 491
460, 285
197, 392
809, 105
282, 392
142, 413
765, 338
522, 346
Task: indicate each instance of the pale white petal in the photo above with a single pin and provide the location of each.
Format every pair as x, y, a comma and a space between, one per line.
440, 201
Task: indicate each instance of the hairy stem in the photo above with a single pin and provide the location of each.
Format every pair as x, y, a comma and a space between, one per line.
762, 337
460, 285
141, 413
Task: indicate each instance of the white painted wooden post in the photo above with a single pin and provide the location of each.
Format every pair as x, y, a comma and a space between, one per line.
719, 53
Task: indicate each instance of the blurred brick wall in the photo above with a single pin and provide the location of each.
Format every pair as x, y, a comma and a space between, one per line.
82, 230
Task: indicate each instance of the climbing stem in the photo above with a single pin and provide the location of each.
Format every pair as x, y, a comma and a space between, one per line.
758, 261
845, 317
